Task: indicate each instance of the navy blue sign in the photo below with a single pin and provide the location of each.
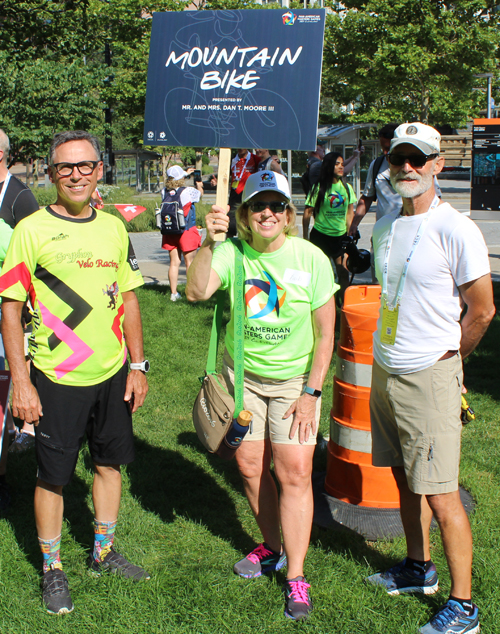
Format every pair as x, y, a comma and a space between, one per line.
241, 79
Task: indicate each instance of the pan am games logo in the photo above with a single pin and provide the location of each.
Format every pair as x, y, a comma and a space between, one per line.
289, 18
336, 200
264, 298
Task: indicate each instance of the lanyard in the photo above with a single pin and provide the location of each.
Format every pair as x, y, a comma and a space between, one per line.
4, 188
237, 160
404, 272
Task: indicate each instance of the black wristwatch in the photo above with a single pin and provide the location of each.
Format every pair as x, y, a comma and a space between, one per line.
143, 367
312, 391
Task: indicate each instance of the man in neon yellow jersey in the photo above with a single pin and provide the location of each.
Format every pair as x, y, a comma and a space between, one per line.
80, 271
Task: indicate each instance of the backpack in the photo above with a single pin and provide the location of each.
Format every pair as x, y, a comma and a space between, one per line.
170, 217
376, 169
305, 182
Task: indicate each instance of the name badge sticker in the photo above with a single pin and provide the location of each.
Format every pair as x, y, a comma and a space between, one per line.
301, 278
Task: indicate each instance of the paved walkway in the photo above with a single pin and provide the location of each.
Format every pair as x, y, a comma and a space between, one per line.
153, 260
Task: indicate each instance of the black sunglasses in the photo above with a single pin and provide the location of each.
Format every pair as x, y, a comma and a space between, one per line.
84, 167
415, 160
276, 207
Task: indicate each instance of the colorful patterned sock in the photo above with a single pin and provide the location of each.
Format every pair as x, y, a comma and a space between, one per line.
51, 553
104, 534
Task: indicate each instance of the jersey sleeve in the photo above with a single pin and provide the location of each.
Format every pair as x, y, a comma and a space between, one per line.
20, 263
5, 236
24, 205
311, 196
129, 275
468, 254
369, 189
322, 281
223, 262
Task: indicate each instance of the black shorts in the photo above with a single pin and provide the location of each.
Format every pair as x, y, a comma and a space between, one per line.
330, 245
70, 412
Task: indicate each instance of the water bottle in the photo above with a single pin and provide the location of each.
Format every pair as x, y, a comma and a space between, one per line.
236, 433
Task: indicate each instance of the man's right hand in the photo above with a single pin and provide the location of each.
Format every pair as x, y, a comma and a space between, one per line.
26, 403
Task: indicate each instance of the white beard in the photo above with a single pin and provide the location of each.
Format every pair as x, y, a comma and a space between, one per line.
419, 185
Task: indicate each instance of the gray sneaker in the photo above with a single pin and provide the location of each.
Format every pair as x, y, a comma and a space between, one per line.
22, 442
117, 564
260, 561
174, 297
56, 594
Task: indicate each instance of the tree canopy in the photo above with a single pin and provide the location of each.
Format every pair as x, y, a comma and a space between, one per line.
390, 59
410, 60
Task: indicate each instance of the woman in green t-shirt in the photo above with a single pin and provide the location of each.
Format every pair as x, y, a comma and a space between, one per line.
288, 334
330, 202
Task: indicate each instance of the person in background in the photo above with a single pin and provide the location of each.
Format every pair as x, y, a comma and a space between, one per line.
290, 290
16, 202
242, 165
330, 202
267, 162
186, 243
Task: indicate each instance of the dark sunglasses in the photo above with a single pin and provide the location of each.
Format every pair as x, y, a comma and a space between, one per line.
84, 167
415, 160
275, 207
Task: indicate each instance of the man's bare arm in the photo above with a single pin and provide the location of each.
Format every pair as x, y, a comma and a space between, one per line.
137, 384
478, 295
25, 401
362, 208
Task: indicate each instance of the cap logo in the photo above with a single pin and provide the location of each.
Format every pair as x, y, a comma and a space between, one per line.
266, 176
411, 130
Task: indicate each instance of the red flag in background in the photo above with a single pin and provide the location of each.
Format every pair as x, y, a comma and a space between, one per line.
130, 211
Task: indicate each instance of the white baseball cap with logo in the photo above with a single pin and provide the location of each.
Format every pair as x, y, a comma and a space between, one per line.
176, 172
265, 181
423, 137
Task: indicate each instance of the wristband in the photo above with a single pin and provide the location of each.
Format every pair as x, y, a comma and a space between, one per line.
312, 391
143, 367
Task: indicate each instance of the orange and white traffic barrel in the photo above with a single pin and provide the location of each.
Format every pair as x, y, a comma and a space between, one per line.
350, 475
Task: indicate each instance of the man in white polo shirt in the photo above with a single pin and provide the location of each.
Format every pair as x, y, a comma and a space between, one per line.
430, 261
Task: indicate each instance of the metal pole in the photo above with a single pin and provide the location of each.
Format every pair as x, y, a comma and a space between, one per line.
489, 97
289, 168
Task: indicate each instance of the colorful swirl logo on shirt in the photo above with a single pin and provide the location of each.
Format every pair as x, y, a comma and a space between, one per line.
263, 297
336, 200
289, 18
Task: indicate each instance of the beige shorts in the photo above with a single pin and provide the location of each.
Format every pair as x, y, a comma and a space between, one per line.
268, 400
416, 424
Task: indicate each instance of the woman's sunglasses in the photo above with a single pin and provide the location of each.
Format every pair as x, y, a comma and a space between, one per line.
276, 207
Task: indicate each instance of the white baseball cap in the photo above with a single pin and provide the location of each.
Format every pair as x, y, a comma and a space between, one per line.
176, 173
423, 137
265, 181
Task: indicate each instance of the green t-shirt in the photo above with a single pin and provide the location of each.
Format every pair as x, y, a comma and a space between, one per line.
281, 291
331, 217
74, 271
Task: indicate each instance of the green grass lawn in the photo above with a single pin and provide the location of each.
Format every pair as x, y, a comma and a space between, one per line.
185, 519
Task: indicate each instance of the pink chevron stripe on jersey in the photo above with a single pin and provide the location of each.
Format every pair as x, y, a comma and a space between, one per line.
81, 351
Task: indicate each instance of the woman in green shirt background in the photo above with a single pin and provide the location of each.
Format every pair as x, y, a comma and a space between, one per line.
330, 202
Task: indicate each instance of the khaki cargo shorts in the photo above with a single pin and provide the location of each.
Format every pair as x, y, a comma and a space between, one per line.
416, 424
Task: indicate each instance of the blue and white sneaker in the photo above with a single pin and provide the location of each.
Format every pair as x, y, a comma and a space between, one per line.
451, 619
399, 580
260, 561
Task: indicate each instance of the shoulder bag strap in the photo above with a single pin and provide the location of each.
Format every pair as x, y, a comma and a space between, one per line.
239, 326
239, 317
